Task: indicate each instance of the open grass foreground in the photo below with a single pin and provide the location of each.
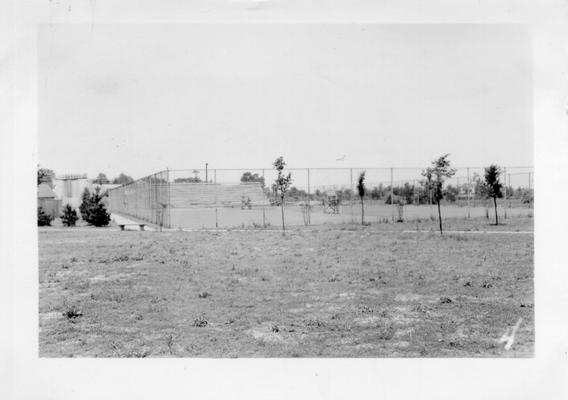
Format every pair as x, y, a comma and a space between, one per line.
326, 291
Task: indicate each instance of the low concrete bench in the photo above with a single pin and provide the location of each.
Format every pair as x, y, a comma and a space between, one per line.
124, 225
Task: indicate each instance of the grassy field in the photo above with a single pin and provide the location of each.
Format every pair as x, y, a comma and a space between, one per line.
324, 291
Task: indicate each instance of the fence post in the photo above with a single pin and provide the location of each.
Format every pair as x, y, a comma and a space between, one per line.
468, 194
309, 211
458, 188
392, 194
529, 181
350, 198
263, 204
169, 197
505, 205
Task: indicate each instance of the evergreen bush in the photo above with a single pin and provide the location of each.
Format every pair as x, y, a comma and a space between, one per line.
69, 216
43, 219
93, 211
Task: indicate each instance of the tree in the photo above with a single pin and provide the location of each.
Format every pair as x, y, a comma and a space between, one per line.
493, 186
527, 196
45, 175
122, 179
452, 193
92, 209
435, 177
101, 179
281, 185
85, 206
69, 216
43, 219
361, 189
250, 177
99, 215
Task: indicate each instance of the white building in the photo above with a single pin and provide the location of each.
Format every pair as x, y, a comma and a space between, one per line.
70, 187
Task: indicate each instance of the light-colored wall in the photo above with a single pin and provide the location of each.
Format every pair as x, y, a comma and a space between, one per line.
70, 191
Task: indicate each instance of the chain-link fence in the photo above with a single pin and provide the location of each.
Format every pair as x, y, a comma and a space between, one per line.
147, 199
208, 198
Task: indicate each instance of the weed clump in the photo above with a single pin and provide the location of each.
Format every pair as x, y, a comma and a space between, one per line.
365, 309
386, 333
200, 322
72, 313
314, 323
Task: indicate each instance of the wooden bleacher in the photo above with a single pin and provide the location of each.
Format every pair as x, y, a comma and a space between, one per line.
189, 195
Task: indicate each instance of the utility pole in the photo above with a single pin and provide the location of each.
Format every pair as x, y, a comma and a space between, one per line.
206, 178
505, 181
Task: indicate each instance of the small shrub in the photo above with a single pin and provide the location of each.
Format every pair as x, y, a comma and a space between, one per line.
43, 219
69, 216
99, 216
93, 211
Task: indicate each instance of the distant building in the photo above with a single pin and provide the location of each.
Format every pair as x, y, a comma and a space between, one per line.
47, 200
69, 188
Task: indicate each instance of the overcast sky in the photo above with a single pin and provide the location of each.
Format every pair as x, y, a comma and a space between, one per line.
142, 98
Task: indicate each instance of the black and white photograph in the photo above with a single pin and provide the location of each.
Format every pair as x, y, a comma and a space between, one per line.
296, 190
264, 189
